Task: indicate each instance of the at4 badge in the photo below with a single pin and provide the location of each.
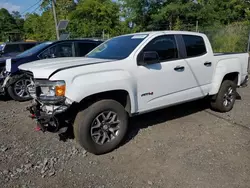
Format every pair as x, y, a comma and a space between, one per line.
147, 94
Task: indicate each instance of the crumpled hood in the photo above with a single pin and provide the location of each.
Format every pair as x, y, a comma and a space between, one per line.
43, 69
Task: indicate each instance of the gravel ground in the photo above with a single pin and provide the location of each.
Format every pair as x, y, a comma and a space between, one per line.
183, 146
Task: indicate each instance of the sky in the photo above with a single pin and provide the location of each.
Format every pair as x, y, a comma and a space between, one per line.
19, 5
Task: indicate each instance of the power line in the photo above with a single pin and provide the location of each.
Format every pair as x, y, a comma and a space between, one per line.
31, 7
35, 10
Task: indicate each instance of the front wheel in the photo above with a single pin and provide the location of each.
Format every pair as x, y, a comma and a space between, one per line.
101, 127
225, 99
19, 89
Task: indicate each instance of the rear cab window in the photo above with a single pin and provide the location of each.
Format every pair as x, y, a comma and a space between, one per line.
195, 45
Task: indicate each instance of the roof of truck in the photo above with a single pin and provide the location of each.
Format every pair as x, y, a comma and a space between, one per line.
75, 40
166, 31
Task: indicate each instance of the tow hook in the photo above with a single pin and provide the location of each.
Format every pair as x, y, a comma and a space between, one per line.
32, 116
44, 121
39, 127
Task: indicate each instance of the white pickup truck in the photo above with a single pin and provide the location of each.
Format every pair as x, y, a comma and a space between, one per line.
129, 75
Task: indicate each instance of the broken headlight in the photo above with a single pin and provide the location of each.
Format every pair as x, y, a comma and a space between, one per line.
50, 91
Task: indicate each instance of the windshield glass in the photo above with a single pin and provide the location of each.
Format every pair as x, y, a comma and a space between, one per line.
117, 48
34, 50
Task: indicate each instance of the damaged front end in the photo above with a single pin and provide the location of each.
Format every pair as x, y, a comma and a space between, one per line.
4, 77
50, 106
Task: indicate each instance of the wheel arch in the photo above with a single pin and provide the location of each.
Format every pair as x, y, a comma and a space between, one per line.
120, 95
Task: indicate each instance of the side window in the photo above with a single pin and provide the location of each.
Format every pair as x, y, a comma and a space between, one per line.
9, 48
165, 46
58, 50
83, 48
195, 45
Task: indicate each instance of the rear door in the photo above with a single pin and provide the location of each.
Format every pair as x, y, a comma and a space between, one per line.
82, 47
199, 60
167, 82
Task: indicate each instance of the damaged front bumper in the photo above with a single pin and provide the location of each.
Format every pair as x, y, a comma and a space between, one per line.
49, 117
4, 78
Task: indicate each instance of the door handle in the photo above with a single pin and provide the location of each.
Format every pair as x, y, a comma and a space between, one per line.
179, 68
208, 64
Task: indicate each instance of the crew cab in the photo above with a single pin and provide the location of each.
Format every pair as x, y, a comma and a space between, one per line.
130, 75
15, 82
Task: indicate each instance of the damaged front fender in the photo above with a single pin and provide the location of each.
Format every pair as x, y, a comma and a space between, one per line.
11, 79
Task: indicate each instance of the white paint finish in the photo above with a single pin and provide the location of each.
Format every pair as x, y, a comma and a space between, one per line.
226, 64
44, 68
203, 74
177, 98
98, 78
164, 82
169, 87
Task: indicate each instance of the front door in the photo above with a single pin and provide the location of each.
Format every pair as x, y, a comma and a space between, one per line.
166, 82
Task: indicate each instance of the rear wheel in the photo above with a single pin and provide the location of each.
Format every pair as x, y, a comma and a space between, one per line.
101, 127
225, 99
19, 89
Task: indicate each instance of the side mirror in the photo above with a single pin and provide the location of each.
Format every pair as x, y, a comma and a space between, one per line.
150, 57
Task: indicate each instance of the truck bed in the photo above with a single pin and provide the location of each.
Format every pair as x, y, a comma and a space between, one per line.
242, 58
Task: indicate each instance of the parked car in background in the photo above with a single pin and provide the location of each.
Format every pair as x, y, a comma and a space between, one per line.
127, 76
11, 49
15, 82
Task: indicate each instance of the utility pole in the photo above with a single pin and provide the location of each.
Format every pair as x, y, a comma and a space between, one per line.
55, 18
197, 25
103, 34
248, 44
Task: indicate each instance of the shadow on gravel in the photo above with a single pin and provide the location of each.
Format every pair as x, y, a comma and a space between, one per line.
153, 118
150, 119
5, 98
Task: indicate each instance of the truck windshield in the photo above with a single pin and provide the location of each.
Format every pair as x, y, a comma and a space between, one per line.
34, 50
118, 47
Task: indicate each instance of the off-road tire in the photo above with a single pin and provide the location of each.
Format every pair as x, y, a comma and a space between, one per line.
218, 100
85, 118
